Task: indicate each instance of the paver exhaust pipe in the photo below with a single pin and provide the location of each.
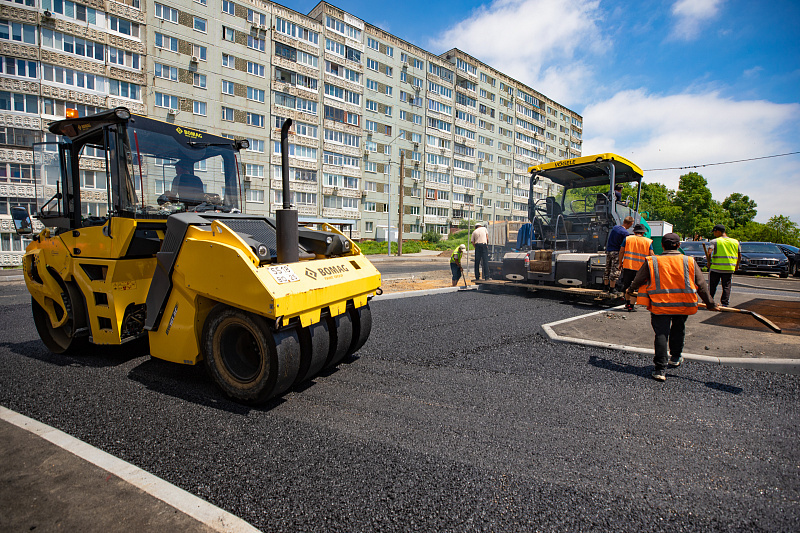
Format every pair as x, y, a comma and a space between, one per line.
286, 221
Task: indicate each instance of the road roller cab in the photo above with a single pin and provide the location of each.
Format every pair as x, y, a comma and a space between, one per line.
141, 233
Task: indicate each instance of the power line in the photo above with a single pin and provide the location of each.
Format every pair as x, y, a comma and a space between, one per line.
723, 163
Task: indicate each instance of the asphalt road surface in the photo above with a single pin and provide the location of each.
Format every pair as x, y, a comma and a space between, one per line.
399, 268
457, 415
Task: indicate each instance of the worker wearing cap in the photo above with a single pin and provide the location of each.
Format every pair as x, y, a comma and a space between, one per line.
668, 285
632, 255
480, 240
455, 263
723, 255
618, 192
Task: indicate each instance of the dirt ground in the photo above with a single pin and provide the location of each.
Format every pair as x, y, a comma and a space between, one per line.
428, 280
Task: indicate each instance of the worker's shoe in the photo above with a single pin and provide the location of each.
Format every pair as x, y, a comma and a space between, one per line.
675, 362
659, 375
631, 308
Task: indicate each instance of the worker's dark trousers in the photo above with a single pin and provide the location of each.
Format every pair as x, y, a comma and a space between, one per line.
669, 330
482, 260
714, 278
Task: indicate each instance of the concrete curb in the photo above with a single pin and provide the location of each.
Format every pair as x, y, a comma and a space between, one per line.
409, 294
12, 278
782, 366
185, 502
764, 288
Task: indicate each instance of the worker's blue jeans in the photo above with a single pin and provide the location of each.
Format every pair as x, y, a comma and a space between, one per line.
670, 331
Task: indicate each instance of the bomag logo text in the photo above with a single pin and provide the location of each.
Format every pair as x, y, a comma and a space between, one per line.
338, 269
189, 133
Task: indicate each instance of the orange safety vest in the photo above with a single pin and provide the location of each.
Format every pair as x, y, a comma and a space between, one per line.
636, 249
671, 290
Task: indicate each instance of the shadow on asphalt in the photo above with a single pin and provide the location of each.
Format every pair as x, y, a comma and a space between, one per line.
644, 372
93, 356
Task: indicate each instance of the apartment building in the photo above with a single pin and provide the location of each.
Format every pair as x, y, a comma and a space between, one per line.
361, 100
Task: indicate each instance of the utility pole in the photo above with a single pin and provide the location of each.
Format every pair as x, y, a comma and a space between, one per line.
400, 204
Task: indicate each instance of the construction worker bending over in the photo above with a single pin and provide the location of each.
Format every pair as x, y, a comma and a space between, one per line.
668, 285
632, 254
480, 240
455, 263
723, 255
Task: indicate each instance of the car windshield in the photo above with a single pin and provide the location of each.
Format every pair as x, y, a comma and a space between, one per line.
760, 248
171, 173
692, 246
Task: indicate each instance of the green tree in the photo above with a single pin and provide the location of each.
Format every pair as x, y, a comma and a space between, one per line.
658, 200
740, 208
783, 230
694, 199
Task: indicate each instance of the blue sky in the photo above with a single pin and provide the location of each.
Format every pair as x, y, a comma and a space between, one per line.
665, 83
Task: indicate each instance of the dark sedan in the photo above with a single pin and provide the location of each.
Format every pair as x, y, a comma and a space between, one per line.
793, 254
695, 249
763, 257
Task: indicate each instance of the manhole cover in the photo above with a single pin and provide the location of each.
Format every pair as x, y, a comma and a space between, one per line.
784, 314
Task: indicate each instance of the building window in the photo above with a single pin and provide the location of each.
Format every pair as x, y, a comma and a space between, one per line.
199, 80
199, 52
199, 108
254, 119
255, 196
227, 87
228, 61
165, 13
228, 34
166, 42
166, 72
165, 100
228, 7
227, 114
200, 25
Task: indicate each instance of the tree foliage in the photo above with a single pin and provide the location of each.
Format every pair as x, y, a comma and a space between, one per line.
740, 208
697, 208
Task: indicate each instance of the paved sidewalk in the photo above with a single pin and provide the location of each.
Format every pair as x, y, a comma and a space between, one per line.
50, 481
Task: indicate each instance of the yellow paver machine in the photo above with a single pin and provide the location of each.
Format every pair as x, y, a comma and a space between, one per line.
144, 235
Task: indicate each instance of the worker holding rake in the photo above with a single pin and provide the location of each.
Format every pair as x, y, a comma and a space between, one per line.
455, 264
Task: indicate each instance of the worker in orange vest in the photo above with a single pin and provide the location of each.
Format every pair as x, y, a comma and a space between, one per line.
632, 254
668, 285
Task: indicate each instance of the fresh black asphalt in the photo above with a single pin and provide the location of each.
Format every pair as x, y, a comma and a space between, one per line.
457, 415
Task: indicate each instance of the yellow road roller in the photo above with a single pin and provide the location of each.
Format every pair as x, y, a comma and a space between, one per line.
144, 235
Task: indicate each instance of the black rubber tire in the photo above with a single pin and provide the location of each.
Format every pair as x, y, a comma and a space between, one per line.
362, 326
315, 343
62, 340
248, 360
794, 270
341, 330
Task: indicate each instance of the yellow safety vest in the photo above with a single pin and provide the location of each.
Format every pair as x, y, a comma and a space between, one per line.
726, 253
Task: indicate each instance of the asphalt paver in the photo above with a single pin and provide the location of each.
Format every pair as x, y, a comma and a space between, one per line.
458, 414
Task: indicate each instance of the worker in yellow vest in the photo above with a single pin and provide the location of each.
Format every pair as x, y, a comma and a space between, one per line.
668, 285
723, 256
455, 264
632, 254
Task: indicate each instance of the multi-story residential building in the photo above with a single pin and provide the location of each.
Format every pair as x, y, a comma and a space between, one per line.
359, 98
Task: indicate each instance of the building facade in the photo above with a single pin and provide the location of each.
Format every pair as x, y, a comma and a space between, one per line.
361, 101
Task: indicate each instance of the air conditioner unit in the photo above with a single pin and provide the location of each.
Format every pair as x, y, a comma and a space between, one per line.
263, 27
172, 111
364, 194
246, 178
194, 59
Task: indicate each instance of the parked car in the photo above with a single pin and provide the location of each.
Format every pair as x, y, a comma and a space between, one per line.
695, 249
763, 257
793, 254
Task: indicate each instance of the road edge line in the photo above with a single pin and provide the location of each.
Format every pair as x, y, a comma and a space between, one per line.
781, 366
186, 502
423, 292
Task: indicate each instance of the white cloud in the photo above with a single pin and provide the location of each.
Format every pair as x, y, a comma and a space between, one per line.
534, 41
690, 15
692, 129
